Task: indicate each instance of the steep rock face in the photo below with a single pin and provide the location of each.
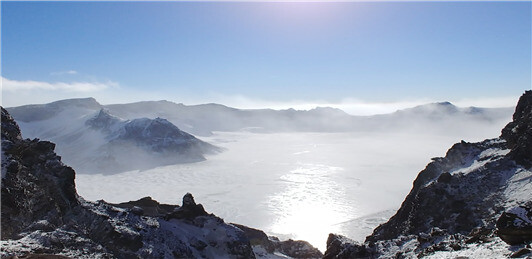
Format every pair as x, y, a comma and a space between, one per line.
34, 181
456, 201
518, 133
453, 193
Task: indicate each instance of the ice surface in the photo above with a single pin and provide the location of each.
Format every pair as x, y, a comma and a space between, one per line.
292, 185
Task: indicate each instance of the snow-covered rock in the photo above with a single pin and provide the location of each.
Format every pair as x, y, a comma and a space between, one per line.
456, 202
515, 225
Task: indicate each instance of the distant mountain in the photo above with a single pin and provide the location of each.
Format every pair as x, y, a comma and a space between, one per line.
206, 118
475, 202
203, 119
94, 141
440, 118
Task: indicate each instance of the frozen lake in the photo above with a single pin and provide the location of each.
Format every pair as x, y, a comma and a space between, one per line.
291, 185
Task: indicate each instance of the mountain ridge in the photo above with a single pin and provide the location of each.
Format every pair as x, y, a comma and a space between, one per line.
204, 119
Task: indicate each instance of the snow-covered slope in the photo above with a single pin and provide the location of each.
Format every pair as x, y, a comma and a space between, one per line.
476, 201
92, 140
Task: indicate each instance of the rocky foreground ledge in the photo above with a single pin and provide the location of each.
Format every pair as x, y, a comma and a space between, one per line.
43, 217
476, 202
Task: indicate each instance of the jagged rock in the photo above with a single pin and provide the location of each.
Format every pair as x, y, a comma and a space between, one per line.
10, 129
515, 225
340, 247
298, 249
518, 133
521, 252
148, 207
35, 183
479, 235
189, 210
257, 237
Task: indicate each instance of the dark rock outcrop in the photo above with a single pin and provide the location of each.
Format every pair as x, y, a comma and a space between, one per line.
34, 182
340, 247
515, 225
148, 207
189, 210
518, 133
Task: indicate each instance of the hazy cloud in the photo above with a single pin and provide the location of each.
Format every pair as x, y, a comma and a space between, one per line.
68, 72
15, 86
18, 92
350, 105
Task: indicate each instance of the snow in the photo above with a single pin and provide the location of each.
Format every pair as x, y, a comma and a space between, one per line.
519, 188
261, 253
494, 250
523, 218
36, 241
476, 163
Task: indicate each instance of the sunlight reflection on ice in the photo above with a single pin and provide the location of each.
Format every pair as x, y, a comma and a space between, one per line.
311, 203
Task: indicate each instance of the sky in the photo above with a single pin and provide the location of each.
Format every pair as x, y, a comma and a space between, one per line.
362, 57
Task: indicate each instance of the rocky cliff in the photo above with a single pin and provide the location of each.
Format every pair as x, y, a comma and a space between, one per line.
479, 193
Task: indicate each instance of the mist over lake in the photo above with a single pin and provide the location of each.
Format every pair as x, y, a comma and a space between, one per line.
346, 183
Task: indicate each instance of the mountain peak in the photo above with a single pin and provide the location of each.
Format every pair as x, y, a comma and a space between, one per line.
518, 133
103, 120
88, 102
445, 103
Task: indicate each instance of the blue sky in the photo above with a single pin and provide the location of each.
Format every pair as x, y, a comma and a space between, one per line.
249, 54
